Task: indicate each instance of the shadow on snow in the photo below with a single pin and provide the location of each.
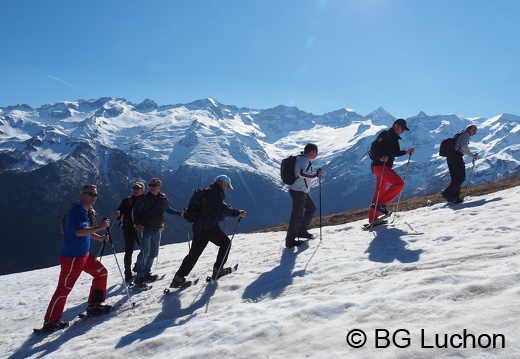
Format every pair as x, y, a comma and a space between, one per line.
271, 284
388, 246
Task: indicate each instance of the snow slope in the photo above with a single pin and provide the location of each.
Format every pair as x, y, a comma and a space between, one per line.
435, 273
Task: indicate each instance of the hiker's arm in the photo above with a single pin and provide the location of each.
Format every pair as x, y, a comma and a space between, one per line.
85, 231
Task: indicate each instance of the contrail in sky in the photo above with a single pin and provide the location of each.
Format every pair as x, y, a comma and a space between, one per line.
66, 83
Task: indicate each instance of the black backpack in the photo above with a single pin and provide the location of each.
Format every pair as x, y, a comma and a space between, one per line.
196, 204
372, 153
287, 170
447, 147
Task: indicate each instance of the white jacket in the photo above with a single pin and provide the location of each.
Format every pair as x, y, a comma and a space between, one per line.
303, 173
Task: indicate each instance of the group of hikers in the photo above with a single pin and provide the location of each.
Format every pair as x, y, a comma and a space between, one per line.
383, 151
143, 216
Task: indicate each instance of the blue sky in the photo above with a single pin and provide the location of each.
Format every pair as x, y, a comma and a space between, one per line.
440, 57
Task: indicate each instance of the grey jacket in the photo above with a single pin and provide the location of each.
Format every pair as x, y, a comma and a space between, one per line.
462, 142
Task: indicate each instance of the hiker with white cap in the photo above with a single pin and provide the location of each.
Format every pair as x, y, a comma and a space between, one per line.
206, 229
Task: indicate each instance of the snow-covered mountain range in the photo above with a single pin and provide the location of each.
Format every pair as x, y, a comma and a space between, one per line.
47, 153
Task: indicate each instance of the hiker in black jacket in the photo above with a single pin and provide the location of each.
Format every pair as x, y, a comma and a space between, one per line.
148, 217
383, 152
207, 229
124, 212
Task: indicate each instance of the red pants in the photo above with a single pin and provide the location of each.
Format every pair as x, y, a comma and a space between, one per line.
71, 268
386, 194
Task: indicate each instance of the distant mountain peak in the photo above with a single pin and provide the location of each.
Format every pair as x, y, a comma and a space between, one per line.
381, 116
146, 106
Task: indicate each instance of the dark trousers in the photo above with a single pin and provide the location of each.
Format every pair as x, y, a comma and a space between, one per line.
130, 236
300, 220
200, 241
458, 176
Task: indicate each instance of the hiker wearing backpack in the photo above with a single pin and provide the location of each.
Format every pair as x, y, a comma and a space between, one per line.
206, 229
303, 206
148, 218
75, 258
456, 164
124, 212
383, 152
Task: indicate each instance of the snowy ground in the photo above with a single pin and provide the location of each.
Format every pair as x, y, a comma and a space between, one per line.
442, 282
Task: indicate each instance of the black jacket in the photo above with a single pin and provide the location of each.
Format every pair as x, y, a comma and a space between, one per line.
149, 210
215, 209
125, 208
386, 144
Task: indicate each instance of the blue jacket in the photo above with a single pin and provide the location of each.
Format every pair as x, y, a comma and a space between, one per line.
73, 245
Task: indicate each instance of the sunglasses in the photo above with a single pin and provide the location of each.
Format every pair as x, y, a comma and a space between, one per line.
91, 194
154, 185
136, 188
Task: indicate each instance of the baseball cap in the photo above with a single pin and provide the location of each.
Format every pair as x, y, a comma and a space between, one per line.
401, 122
225, 179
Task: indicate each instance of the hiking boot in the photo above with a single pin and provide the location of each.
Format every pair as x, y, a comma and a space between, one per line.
179, 282
150, 277
217, 274
446, 197
457, 200
94, 310
305, 234
129, 277
53, 326
139, 282
378, 221
381, 208
293, 243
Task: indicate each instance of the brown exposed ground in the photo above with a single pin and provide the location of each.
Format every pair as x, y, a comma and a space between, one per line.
404, 205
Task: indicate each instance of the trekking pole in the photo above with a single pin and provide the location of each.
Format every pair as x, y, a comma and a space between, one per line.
229, 247
141, 251
102, 250
400, 193
158, 250
319, 182
469, 178
119, 267
188, 234
377, 198
225, 223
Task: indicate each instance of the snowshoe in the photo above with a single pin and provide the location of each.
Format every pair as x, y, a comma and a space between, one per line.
50, 327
